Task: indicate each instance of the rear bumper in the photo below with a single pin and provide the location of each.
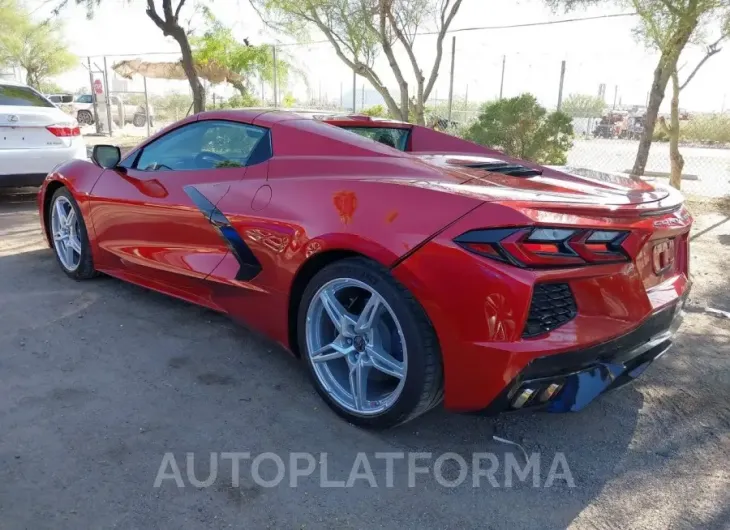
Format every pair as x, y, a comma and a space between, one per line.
28, 167
569, 381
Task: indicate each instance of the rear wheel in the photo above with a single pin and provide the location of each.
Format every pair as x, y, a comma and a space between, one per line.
370, 349
139, 120
84, 117
69, 236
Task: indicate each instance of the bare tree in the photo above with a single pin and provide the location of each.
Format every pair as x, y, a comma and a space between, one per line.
359, 30
170, 25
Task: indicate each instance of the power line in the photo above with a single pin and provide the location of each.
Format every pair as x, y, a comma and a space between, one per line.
489, 28
458, 30
531, 24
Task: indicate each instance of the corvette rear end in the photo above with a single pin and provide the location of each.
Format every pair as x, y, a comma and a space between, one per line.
554, 290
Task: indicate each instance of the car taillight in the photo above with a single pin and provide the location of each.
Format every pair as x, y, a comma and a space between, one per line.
534, 247
64, 131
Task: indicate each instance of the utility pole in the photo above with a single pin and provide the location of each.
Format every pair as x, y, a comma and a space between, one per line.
466, 98
354, 92
342, 100
147, 106
451, 82
93, 95
501, 83
562, 80
615, 96
276, 87
108, 100
362, 97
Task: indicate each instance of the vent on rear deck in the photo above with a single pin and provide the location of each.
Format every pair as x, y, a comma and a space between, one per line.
506, 168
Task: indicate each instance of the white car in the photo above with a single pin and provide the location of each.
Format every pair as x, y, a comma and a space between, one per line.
35, 136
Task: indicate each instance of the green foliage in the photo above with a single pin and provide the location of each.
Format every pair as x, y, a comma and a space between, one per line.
49, 87
583, 106
376, 111
709, 129
38, 48
289, 101
241, 101
172, 106
521, 127
218, 46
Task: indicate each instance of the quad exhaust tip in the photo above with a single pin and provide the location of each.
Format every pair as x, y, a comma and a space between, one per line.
535, 394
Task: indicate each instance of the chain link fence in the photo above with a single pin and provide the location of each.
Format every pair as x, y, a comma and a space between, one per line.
605, 138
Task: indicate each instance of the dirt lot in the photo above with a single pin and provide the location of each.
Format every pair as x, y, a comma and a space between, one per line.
98, 380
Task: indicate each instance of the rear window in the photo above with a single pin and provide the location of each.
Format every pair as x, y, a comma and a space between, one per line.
21, 96
392, 137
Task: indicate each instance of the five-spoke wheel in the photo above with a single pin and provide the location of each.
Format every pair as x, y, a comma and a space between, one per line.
68, 236
356, 345
370, 348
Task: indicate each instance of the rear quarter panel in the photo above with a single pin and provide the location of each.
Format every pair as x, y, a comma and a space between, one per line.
290, 220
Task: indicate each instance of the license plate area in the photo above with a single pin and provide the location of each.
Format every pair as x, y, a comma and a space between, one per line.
664, 256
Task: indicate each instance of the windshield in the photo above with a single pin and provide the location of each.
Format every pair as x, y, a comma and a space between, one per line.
21, 96
397, 138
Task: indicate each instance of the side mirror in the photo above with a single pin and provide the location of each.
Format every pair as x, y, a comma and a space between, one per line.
106, 156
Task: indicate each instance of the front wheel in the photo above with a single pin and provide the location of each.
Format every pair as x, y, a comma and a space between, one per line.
139, 120
69, 236
370, 349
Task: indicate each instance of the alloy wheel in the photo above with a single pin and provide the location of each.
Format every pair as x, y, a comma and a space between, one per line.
356, 346
65, 230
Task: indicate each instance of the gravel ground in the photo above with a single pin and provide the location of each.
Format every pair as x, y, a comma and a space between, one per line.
99, 379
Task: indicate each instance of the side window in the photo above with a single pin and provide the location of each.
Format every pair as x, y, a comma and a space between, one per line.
84, 99
208, 144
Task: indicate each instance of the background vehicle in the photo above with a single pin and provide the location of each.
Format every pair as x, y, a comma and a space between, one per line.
83, 105
59, 99
435, 269
35, 136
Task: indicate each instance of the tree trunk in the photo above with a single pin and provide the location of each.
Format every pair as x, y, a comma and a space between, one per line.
656, 97
238, 85
675, 157
171, 28
419, 116
189, 67
662, 73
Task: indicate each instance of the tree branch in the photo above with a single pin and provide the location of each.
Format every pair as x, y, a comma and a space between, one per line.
440, 44
152, 13
356, 66
179, 7
712, 49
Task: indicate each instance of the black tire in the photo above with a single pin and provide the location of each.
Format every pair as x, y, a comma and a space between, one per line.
85, 270
139, 120
84, 117
423, 387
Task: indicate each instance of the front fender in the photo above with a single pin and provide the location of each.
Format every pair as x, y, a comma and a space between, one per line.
79, 176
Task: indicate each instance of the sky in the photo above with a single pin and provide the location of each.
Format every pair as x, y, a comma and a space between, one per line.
595, 52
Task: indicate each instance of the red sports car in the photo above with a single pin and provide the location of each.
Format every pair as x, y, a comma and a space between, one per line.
403, 265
